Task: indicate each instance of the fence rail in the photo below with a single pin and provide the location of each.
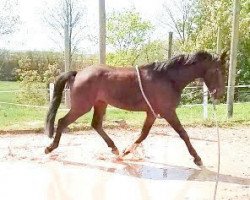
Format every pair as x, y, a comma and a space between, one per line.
197, 97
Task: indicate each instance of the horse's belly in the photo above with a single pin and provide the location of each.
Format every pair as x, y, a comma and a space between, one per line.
124, 101
126, 106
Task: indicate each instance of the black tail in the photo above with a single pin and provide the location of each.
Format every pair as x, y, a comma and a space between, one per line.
55, 103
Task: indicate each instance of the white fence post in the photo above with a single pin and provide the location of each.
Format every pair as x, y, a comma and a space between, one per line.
205, 101
51, 91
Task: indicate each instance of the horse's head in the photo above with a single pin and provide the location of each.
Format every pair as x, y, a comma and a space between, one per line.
214, 75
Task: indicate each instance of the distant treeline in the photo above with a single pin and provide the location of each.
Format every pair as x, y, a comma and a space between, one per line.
11, 61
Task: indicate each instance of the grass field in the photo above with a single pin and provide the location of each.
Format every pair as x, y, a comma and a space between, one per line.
8, 86
13, 117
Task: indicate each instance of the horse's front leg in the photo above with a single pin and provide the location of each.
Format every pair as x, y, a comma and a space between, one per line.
150, 119
173, 120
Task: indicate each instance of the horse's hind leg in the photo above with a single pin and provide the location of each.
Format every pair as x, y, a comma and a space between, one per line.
173, 120
99, 112
69, 118
150, 119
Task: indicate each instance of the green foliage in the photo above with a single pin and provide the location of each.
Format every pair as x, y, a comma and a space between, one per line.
152, 51
127, 30
31, 82
244, 45
243, 74
51, 73
192, 96
80, 61
8, 64
210, 15
118, 58
35, 70
122, 58
127, 33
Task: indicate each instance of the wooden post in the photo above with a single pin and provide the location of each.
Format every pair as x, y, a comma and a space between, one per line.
51, 91
102, 32
102, 35
233, 58
205, 101
218, 48
205, 89
67, 48
67, 39
170, 44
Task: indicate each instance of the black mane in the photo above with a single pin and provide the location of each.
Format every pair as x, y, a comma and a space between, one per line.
181, 60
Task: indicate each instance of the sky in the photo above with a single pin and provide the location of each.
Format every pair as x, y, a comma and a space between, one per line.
32, 33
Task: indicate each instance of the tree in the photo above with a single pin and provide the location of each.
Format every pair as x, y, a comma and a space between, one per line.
206, 18
8, 65
176, 16
36, 70
9, 17
244, 45
65, 19
9, 20
152, 51
211, 15
127, 32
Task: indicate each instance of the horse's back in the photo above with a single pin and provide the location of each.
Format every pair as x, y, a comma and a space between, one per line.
114, 86
119, 87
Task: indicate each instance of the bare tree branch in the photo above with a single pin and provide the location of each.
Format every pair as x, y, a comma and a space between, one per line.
176, 17
66, 15
9, 18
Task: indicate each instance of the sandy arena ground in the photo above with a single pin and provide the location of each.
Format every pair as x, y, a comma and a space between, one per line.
84, 168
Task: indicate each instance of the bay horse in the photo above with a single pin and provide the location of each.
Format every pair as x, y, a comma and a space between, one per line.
163, 82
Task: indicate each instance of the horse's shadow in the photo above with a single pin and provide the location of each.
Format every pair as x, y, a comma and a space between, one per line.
160, 171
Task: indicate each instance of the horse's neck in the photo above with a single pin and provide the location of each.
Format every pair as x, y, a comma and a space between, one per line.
186, 75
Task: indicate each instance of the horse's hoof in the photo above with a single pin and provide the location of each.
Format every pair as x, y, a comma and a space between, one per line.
125, 152
119, 158
47, 150
115, 151
130, 149
198, 162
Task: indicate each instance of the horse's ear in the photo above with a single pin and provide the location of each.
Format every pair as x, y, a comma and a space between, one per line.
224, 56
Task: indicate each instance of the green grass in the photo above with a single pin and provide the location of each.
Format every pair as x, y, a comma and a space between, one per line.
9, 85
26, 118
194, 115
10, 97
